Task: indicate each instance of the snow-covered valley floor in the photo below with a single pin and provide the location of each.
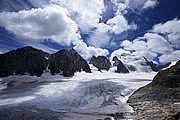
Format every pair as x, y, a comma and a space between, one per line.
85, 96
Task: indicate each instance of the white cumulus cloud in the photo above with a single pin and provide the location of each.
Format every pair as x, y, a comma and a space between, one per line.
99, 39
88, 51
118, 53
157, 43
150, 4
42, 23
139, 48
127, 45
141, 5
170, 57
137, 45
171, 30
85, 13
119, 24
147, 54
163, 40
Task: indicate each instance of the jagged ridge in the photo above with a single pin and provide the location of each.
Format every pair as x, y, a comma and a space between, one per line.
29, 60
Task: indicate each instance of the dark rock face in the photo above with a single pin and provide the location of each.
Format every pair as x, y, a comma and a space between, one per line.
160, 95
169, 78
67, 62
23, 60
121, 68
131, 68
116, 61
32, 61
165, 86
101, 62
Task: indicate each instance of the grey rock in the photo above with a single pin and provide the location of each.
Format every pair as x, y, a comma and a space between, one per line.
121, 68
101, 62
159, 96
165, 86
116, 61
29, 60
67, 63
23, 60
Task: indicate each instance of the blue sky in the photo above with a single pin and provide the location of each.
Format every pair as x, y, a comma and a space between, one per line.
149, 28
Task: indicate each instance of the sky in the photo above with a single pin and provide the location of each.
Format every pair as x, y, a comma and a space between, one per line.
149, 28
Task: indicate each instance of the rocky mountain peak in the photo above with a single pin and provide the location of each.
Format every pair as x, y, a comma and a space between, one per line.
22, 61
67, 63
29, 60
101, 62
156, 67
121, 68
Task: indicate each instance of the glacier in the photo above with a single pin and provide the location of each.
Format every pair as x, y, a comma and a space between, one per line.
95, 95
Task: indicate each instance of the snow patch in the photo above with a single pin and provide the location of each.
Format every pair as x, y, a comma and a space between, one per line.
18, 100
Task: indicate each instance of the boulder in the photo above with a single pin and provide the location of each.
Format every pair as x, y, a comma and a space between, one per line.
101, 62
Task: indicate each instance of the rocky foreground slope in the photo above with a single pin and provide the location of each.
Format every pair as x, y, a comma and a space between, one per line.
159, 100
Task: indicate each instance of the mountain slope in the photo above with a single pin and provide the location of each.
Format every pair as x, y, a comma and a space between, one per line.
67, 63
32, 61
22, 61
159, 96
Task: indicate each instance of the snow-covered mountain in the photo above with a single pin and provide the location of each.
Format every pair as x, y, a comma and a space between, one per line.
29, 60
137, 62
85, 95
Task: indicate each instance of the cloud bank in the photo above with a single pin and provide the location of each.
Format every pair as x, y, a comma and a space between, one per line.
56, 22
37, 24
162, 42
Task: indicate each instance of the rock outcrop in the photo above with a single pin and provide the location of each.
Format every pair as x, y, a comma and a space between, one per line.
165, 86
22, 61
32, 61
121, 68
116, 61
100, 62
159, 96
67, 63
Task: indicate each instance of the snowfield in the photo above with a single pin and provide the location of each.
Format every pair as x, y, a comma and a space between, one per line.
96, 94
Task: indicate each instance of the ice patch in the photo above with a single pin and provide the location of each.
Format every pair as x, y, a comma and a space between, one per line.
18, 100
